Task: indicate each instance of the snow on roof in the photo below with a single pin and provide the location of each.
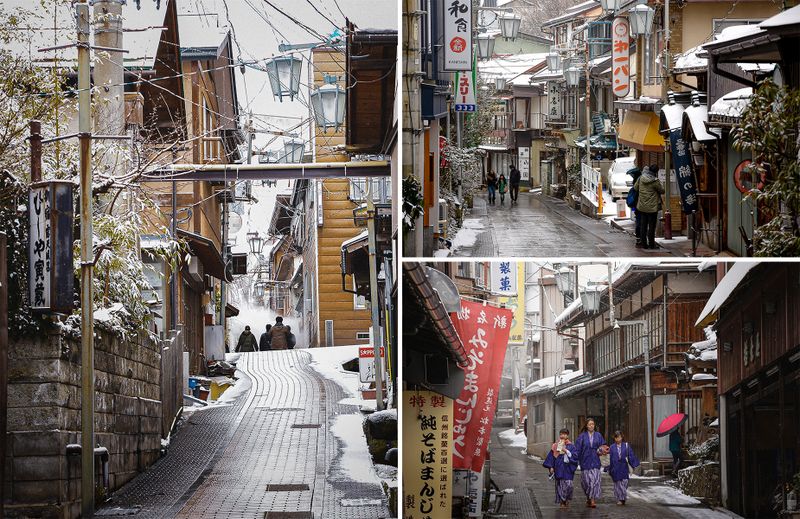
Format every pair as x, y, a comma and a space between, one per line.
698, 115
673, 113
690, 60
572, 12
734, 32
704, 376
56, 26
355, 239
510, 67
787, 17
544, 384
732, 104
729, 282
200, 27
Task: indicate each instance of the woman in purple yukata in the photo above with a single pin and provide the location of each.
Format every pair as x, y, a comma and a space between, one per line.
621, 455
590, 445
562, 460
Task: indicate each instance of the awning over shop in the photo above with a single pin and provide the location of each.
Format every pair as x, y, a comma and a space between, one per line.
639, 130
230, 310
205, 250
695, 118
598, 142
728, 109
356, 246
671, 117
730, 282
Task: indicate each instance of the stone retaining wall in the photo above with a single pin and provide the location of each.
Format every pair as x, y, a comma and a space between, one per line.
44, 402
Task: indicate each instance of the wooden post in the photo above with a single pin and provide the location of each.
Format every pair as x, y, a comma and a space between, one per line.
3, 366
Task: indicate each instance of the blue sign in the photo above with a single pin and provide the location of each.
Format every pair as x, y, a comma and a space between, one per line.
682, 162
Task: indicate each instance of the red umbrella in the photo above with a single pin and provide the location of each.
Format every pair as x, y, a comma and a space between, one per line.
671, 423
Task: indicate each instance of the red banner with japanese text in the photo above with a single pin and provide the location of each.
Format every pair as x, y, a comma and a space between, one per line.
484, 330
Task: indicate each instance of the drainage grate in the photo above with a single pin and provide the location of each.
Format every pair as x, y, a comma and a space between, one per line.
117, 511
295, 487
361, 502
306, 426
279, 409
288, 515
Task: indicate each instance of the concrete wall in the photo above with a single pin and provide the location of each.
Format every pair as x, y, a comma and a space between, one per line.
44, 402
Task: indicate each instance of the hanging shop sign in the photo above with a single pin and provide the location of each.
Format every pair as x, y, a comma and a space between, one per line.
465, 92
555, 109
620, 56
469, 484
427, 455
484, 331
504, 278
50, 218
457, 20
681, 158
524, 161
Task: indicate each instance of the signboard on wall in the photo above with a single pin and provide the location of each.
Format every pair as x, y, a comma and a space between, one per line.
524, 161
681, 159
620, 56
555, 109
503, 278
427, 455
464, 97
457, 21
366, 363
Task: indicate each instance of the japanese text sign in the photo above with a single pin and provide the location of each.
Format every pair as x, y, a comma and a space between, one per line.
620, 56
465, 93
457, 21
51, 275
682, 161
504, 278
427, 455
555, 110
484, 331
366, 363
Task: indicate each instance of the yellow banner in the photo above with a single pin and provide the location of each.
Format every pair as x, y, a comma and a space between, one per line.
427, 455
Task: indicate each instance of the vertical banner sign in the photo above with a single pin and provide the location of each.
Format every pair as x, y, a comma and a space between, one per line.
465, 93
427, 455
469, 484
554, 110
504, 278
50, 274
457, 17
524, 161
620, 56
681, 160
484, 331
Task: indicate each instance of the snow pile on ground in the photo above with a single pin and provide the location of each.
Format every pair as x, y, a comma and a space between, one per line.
328, 363
354, 462
513, 438
468, 234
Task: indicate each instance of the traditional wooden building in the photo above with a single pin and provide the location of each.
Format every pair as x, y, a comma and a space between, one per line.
756, 310
668, 297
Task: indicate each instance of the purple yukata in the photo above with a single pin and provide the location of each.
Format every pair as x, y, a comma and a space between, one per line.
621, 456
563, 466
587, 445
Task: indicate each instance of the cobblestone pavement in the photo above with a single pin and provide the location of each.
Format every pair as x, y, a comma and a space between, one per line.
534, 494
542, 226
282, 459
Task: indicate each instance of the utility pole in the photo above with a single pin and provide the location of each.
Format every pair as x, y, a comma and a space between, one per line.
87, 262
460, 175
373, 295
667, 161
588, 103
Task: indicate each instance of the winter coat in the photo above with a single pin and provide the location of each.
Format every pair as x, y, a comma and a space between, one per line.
291, 341
587, 446
514, 177
675, 442
279, 336
263, 342
247, 342
650, 191
491, 179
563, 465
620, 457
502, 185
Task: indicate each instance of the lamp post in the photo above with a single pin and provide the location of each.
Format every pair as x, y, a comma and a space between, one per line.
293, 150
500, 83
328, 102
284, 76
509, 25
647, 392
610, 6
485, 46
256, 242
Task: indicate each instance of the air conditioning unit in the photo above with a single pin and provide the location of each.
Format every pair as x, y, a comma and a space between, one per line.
195, 269
442, 218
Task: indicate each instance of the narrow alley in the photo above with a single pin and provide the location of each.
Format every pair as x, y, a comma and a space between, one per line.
290, 445
533, 494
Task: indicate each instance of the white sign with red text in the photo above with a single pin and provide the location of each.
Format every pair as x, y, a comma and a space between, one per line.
620, 56
465, 93
366, 362
457, 17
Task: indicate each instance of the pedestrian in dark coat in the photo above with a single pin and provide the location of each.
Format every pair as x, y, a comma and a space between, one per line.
590, 445
291, 340
279, 335
675, 442
247, 341
632, 200
513, 179
562, 460
502, 185
621, 455
649, 204
263, 342
491, 186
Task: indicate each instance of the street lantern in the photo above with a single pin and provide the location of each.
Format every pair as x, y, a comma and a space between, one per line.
259, 289
293, 150
284, 76
573, 75
256, 242
565, 279
590, 298
641, 18
500, 83
485, 46
610, 6
553, 60
509, 25
328, 104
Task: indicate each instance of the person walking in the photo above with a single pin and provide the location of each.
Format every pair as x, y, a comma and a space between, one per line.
589, 446
562, 460
513, 179
491, 186
649, 204
291, 340
502, 184
263, 342
621, 455
279, 335
675, 442
631, 200
247, 341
